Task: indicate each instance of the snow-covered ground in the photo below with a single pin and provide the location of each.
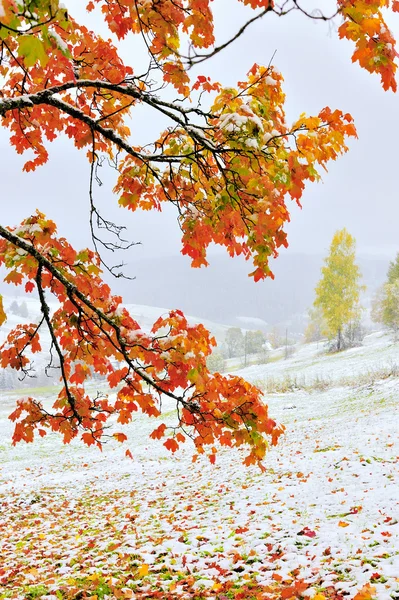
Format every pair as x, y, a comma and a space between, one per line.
311, 363
326, 511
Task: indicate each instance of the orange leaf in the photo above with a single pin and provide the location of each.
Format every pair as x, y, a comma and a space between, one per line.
3, 315
158, 432
88, 439
366, 593
171, 445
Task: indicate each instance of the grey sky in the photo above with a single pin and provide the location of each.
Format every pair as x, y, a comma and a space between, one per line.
359, 192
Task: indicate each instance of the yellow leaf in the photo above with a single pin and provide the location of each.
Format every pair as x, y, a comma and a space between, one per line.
343, 524
143, 571
3, 316
319, 597
217, 586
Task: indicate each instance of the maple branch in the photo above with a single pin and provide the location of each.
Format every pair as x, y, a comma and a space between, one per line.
46, 97
72, 291
46, 314
166, 108
317, 14
199, 58
26, 370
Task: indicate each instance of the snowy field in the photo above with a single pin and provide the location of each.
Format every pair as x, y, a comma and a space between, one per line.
321, 522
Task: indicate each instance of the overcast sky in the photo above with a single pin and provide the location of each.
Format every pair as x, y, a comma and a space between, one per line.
359, 192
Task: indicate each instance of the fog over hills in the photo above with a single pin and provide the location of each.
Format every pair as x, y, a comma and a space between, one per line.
223, 291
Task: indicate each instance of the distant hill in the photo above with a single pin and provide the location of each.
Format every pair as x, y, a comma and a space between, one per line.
223, 292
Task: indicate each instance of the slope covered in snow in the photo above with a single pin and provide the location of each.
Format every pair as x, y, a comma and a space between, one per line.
321, 522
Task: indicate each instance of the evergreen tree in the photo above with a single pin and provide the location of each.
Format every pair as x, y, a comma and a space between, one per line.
338, 291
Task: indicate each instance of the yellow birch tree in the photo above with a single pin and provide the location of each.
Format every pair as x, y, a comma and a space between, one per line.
338, 291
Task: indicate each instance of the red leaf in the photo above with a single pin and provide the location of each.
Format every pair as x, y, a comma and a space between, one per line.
171, 445
307, 532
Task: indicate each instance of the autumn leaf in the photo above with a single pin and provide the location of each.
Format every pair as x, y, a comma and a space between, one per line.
307, 532
3, 316
32, 49
158, 432
88, 439
171, 445
120, 437
366, 593
143, 570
